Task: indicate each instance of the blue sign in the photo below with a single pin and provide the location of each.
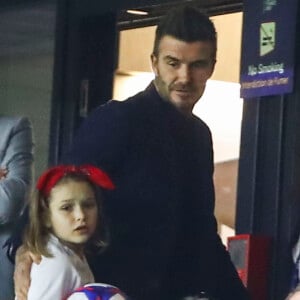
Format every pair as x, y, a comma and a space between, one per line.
268, 47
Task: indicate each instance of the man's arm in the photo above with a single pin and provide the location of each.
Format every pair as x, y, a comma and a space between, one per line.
24, 260
102, 138
216, 258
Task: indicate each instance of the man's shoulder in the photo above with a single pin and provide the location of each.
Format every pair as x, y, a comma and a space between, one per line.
117, 108
200, 123
135, 100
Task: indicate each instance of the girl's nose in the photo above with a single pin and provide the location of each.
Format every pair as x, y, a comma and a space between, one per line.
79, 214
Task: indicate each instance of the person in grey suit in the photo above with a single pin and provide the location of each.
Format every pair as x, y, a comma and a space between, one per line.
16, 160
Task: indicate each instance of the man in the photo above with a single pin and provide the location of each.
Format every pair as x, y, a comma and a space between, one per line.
164, 242
16, 159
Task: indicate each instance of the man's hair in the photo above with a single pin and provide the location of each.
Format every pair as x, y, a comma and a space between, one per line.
187, 24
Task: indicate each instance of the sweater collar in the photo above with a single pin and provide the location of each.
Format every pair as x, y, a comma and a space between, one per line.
154, 96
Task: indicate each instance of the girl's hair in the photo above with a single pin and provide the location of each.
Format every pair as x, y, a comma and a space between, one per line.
37, 232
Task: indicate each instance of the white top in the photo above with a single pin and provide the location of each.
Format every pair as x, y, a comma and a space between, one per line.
56, 277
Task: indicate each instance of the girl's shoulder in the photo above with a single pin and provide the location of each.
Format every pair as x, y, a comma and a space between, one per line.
53, 277
57, 249
56, 268
58, 261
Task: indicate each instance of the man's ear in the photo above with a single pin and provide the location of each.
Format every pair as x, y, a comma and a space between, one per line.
154, 62
213, 67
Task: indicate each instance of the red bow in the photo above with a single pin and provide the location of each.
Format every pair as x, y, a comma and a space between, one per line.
49, 179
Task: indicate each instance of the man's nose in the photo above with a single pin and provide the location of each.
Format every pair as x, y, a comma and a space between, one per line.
184, 73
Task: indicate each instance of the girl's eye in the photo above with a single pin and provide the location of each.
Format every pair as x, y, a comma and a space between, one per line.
89, 204
66, 207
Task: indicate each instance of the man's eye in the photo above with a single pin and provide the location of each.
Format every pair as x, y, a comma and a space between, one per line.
200, 64
173, 63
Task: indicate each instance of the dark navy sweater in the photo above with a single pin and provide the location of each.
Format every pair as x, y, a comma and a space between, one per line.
164, 242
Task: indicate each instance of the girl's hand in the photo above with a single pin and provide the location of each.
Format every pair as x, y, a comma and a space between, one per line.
24, 260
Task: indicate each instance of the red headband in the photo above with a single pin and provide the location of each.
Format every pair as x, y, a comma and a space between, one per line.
49, 179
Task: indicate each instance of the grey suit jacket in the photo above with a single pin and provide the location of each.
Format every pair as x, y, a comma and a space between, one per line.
16, 155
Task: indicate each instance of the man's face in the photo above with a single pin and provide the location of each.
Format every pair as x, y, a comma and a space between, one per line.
181, 71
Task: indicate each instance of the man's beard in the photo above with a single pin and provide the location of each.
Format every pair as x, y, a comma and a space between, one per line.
165, 89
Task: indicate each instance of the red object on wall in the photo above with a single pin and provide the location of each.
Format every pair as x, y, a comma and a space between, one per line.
251, 255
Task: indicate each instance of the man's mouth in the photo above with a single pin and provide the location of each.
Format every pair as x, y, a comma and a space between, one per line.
183, 92
182, 89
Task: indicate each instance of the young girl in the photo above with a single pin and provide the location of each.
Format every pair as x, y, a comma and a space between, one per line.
65, 217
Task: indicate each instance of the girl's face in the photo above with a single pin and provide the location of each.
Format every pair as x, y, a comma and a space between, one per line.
73, 212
